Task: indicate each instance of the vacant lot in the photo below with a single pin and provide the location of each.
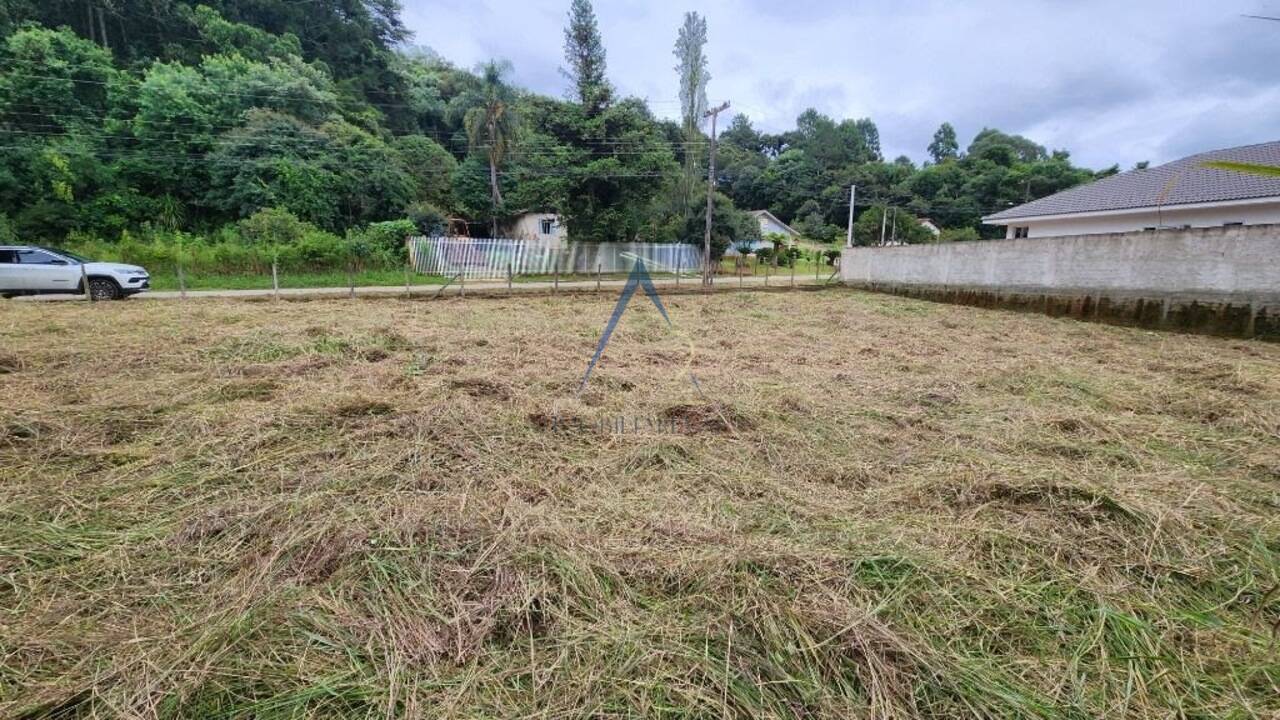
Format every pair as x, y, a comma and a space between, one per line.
381, 508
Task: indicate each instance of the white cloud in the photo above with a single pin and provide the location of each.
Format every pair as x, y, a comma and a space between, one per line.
1109, 81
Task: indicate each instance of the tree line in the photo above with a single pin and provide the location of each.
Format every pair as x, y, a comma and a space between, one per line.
163, 118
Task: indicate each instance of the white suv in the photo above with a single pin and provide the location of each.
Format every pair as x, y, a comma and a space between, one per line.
32, 270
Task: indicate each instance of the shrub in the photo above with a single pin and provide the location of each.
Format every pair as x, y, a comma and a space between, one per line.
271, 226
384, 237
428, 219
832, 256
964, 234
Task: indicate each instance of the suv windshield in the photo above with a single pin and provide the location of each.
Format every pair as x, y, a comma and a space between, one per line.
66, 254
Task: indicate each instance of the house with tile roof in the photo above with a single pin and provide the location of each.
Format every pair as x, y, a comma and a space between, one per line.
1185, 193
769, 225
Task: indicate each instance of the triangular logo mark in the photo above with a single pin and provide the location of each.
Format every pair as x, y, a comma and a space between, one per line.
639, 278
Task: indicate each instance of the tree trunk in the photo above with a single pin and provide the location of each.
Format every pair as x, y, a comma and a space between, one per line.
497, 193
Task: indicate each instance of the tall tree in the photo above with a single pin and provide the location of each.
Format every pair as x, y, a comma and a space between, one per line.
491, 124
692, 69
944, 145
870, 136
584, 52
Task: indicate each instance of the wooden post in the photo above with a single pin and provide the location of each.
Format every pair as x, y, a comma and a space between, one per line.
84, 283
817, 263
598, 269
275, 280
351, 280
555, 286
679, 267
407, 294
713, 113
508, 277
182, 282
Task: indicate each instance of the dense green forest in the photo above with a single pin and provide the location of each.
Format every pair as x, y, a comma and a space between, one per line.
318, 130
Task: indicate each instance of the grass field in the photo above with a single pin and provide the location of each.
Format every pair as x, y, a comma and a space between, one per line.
886, 508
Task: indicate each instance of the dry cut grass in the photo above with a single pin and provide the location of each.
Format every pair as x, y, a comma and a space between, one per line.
881, 508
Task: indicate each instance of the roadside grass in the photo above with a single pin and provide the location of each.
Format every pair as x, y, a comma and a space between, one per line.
882, 508
367, 278
262, 281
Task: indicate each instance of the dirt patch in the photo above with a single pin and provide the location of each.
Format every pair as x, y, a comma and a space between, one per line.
363, 408
318, 560
17, 431
1080, 503
481, 388
707, 418
10, 363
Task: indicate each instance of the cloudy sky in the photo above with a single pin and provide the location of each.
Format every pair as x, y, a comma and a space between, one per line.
1113, 81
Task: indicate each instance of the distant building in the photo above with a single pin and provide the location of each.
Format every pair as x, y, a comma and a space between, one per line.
538, 226
1181, 194
769, 225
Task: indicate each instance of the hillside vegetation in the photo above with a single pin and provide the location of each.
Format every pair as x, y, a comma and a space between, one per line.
226, 132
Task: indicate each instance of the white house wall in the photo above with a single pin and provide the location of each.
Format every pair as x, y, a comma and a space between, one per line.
1258, 214
768, 226
529, 227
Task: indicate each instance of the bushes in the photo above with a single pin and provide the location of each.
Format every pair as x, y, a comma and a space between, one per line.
250, 246
428, 219
780, 257
964, 234
273, 226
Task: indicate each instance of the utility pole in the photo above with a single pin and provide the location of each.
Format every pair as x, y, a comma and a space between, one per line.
853, 195
711, 185
894, 241
884, 217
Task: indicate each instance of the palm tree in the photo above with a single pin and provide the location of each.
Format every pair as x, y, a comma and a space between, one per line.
491, 123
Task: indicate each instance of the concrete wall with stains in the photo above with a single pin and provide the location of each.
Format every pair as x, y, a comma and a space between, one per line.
1160, 279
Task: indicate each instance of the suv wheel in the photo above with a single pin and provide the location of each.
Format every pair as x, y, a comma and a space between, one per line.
103, 289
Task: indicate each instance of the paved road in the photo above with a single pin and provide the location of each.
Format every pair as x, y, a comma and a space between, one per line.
685, 285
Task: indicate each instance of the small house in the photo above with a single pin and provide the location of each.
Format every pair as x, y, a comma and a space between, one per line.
542, 226
769, 225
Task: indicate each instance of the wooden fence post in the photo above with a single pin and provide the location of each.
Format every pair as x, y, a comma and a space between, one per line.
182, 282
275, 280
598, 269
84, 282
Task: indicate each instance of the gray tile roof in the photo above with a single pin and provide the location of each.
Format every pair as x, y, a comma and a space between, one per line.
1179, 182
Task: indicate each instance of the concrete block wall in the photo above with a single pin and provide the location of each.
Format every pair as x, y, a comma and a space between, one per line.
1202, 272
